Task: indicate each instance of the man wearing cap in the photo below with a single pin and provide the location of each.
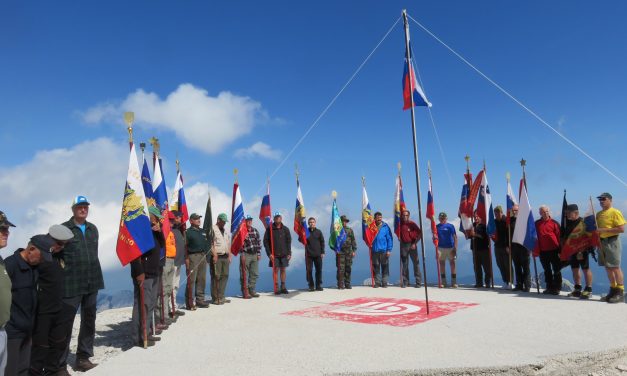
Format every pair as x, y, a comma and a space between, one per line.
49, 337
81, 282
611, 223
5, 292
178, 230
282, 244
251, 254
345, 256
579, 260
221, 252
145, 274
197, 249
501, 248
381, 251
548, 248
314, 253
410, 236
21, 268
447, 243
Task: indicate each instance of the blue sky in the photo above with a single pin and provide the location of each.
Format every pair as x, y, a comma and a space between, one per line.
212, 79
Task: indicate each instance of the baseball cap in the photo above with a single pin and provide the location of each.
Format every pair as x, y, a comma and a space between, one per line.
4, 222
248, 216
442, 215
572, 207
605, 195
223, 217
277, 214
43, 242
195, 216
60, 232
344, 219
80, 200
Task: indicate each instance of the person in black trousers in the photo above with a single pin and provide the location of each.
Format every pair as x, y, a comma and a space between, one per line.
314, 253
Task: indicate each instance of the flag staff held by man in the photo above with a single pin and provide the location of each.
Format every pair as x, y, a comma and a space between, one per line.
369, 228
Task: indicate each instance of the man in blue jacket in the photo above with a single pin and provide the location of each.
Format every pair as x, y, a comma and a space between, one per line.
381, 250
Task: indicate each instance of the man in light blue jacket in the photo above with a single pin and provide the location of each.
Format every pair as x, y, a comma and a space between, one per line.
381, 250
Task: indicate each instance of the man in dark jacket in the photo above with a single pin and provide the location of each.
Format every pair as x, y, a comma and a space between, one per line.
279, 251
5, 291
409, 236
480, 246
145, 273
49, 337
501, 248
345, 256
82, 280
197, 249
314, 254
21, 267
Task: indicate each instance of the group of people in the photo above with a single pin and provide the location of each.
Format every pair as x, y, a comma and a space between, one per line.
552, 236
42, 285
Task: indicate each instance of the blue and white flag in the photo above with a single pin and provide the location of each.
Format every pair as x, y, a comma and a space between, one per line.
525, 229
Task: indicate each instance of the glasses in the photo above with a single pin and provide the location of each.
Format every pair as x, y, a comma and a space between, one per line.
4, 229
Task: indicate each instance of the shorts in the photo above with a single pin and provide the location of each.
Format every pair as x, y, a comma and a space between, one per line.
580, 260
447, 254
609, 252
281, 262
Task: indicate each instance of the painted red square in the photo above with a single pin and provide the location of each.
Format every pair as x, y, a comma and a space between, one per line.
383, 311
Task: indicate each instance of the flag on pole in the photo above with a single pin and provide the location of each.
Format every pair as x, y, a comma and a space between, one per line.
239, 231
484, 205
300, 219
431, 214
581, 236
564, 215
525, 229
399, 206
338, 234
135, 235
160, 195
411, 88
207, 223
465, 209
265, 212
147, 184
511, 201
369, 229
178, 199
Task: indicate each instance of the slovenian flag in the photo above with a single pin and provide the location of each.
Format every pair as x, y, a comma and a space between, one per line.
239, 231
411, 88
399, 206
368, 227
431, 214
135, 235
338, 235
300, 219
484, 206
178, 198
465, 215
265, 212
160, 195
147, 184
525, 229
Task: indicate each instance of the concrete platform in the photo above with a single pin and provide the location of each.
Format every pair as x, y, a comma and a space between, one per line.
377, 330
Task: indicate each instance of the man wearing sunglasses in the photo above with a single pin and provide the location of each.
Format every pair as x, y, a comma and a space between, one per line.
611, 223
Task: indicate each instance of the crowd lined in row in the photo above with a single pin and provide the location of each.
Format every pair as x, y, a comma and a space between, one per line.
43, 284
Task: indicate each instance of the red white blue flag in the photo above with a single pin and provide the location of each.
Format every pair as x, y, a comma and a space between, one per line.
411, 88
300, 218
160, 195
239, 231
484, 206
178, 199
265, 212
431, 214
511, 201
369, 228
525, 230
135, 235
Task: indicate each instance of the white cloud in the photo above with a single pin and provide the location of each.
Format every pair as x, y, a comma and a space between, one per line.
258, 149
201, 121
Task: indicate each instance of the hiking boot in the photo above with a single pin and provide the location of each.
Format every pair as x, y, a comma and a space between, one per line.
348, 287
609, 294
64, 372
417, 285
618, 297
403, 285
376, 285
554, 292
319, 288
284, 290
311, 288
586, 294
84, 364
454, 283
226, 300
153, 338
546, 292
254, 294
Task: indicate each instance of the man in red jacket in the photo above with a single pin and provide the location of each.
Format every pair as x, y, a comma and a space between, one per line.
548, 248
410, 235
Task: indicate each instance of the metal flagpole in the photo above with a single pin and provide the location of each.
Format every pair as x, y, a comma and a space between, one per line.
487, 219
129, 117
413, 129
400, 253
523, 163
437, 251
363, 183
